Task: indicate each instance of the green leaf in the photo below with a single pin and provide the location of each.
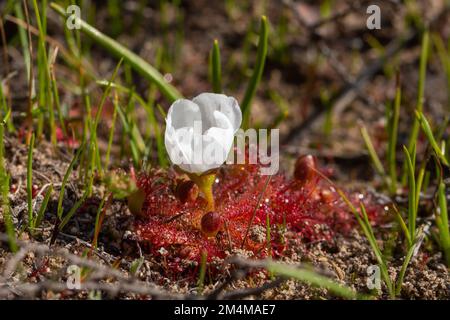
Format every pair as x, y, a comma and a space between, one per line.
420, 89
442, 223
43, 207
30, 181
201, 277
392, 135
373, 154
367, 228
429, 134
136, 265
412, 194
66, 179
4, 193
257, 72
216, 69
72, 211
411, 252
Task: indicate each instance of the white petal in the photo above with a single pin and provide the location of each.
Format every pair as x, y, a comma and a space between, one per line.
213, 152
183, 113
210, 102
179, 146
223, 133
222, 138
200, 168
210, 119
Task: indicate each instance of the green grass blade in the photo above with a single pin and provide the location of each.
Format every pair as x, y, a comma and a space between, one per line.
12, 242
419, 182
411, 252
136, 62
98, 221
368, 232
160, 146
411, 195
72, 211
216, 69
105, 95
443, 205
257, 72
94, 160
45, 101
65, 180
128, 91
426, 128
136, 265
4, 185
5, 110
56, 94
402, 224
282, 105
23, 38
392, 136
372, 153
30, 181
40, 214
310, 277
420, 89
367, 228
111, 133
201, 277
442, 223
136, 142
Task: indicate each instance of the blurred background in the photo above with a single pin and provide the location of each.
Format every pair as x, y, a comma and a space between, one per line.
325, 72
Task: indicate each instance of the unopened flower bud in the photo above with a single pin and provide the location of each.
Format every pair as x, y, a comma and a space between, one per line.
34, 191
306, 169
136, 201
211, 223
186, 191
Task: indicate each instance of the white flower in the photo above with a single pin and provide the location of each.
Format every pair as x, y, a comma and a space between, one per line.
200, 133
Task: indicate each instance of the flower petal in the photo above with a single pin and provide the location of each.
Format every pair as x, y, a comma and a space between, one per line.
183, 113
210, 102
222, 144
200, 133
179, 146
223, 132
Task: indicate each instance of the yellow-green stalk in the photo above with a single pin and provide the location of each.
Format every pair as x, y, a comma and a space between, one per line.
205, 183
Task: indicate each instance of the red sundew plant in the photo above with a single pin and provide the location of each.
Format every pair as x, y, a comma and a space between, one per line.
68, 140
172, 229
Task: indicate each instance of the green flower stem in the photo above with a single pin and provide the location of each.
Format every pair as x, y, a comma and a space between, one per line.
205, 184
